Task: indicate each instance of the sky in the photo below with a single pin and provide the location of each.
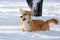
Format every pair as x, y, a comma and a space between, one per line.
9, 10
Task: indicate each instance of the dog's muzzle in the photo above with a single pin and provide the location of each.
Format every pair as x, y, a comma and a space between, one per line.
24, 19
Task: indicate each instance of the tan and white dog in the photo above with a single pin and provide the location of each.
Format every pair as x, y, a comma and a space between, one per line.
27, 24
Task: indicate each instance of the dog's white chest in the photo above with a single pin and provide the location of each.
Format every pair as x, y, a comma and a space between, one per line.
26, 26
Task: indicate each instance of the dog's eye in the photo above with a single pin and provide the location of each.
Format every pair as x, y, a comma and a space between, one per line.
20, 16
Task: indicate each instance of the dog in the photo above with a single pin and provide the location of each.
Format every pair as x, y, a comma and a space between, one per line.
29, 25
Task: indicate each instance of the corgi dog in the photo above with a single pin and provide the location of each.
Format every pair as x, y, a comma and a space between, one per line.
29, 25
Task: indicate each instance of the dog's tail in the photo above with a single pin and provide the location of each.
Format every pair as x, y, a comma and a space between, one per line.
55, 21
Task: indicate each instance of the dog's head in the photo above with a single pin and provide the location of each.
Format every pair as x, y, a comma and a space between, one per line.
26, 15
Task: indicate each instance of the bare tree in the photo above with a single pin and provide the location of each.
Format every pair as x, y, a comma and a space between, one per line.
38, 6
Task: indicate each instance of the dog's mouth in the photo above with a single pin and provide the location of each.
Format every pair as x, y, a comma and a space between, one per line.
24, 19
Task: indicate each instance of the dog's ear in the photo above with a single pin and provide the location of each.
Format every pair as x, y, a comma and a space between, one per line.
22, 11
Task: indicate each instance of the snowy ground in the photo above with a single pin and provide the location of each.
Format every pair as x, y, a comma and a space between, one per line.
40, 35
13, 33
9, 15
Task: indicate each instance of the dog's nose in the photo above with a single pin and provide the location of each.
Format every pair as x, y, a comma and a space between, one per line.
24, 19
20, 16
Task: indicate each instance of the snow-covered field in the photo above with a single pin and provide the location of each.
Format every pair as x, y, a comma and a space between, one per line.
41, 35
9, 20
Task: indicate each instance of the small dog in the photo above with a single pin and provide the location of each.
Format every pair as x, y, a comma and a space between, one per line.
27, 24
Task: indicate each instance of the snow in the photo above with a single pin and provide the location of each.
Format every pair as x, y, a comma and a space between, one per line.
39, 35
9, 15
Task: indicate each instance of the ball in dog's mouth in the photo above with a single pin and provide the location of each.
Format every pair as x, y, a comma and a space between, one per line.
24, 19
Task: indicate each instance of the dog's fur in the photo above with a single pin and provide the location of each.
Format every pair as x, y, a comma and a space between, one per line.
27, 24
